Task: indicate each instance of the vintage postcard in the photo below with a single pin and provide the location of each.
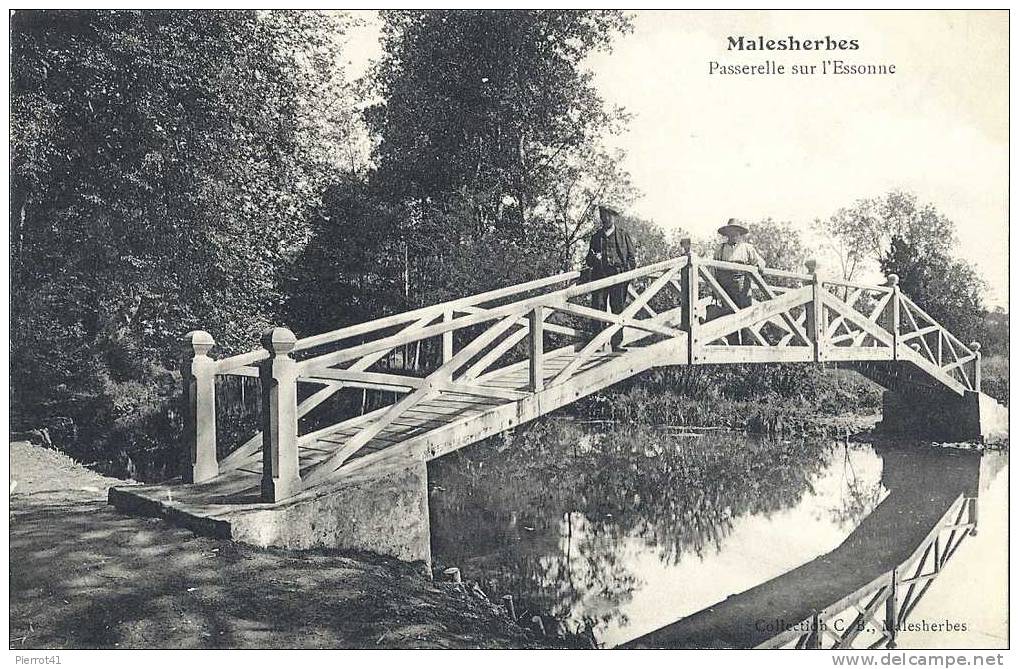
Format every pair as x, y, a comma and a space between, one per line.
509, 329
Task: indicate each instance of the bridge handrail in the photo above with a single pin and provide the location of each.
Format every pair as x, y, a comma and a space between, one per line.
786, 274
232, 363
521, 307
857, 284
766, 271
227, 365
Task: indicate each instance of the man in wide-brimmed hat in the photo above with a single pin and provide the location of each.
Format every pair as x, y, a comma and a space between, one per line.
736, 249
611, 252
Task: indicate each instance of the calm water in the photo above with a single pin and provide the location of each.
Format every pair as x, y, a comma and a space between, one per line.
620, 530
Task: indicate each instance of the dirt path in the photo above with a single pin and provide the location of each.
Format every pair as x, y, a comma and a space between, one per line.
85, 576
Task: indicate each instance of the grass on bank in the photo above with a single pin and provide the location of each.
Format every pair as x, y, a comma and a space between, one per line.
803, 399
775, 399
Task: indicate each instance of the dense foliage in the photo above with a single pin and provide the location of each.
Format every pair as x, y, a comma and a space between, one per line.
163, 167
488, 158
174, 170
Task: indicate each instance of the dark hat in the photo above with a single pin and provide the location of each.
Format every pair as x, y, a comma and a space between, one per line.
608, 208
732, 226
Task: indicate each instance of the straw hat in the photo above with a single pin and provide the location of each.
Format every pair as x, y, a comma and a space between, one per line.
732, 226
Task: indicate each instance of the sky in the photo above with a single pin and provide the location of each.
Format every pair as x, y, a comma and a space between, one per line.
706, 147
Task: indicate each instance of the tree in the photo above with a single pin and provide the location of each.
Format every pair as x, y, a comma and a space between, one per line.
351, 269
586, 176
860, 235
780, 243
652, 242
494, 128
947, 288
163, 167
898, 234
994, 333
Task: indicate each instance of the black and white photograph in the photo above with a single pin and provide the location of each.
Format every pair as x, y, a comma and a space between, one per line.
524, 329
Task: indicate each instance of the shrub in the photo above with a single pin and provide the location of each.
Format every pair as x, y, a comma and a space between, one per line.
994, 377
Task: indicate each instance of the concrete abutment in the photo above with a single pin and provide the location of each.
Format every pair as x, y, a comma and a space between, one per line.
383, 510
973, 416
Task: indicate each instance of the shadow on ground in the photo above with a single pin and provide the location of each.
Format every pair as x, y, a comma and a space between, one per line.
85, 576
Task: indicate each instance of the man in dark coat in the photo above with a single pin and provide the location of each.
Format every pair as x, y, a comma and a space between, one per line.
611, 252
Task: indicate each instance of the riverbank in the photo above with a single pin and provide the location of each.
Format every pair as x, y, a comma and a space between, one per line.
766, 418
85, 576
801, 401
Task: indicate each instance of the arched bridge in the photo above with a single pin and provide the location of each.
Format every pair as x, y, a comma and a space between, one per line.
341, 409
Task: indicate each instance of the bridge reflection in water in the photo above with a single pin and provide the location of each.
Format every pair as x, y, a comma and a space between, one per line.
648, 539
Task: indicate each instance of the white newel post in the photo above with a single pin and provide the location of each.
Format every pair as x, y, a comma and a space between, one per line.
893, 319
198, 373
817, 328
975, 347
281, 473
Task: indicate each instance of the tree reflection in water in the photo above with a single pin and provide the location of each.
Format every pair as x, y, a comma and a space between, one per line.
551, 513
859, 496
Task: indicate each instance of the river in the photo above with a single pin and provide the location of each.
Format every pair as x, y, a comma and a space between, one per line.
619, 530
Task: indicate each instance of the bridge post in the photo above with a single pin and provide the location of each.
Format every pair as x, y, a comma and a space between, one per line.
892, 323
690, 297
536, 322
198, 373
281, 473
816, 328
977, 356
447, 338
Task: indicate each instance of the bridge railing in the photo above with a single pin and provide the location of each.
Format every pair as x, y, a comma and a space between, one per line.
799, 317
471, 337
395, 363
936, 347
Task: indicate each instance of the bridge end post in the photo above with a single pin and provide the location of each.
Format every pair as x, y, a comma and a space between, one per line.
198, 373
281, 473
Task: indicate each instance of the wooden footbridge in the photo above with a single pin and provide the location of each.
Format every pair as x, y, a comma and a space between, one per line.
414, 386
